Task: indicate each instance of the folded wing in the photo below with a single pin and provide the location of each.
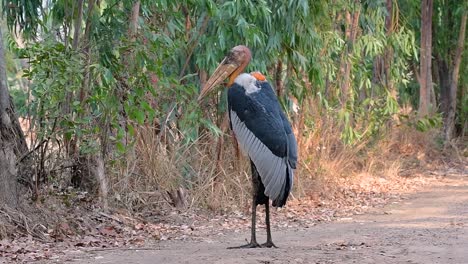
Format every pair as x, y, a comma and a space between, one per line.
265, 135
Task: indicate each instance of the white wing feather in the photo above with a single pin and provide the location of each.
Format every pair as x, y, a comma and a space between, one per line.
272, 169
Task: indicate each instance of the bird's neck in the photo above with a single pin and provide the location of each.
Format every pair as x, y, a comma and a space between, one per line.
233, 76
238, 71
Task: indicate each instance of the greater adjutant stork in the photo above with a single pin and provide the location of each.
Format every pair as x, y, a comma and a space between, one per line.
263, 132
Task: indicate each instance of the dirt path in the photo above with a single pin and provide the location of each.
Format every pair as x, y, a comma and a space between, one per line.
427, 227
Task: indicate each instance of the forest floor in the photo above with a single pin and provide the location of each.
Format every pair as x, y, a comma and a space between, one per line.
426, 223
427, 226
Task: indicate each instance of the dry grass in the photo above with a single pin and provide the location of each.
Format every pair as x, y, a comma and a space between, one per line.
329, 167
157, 174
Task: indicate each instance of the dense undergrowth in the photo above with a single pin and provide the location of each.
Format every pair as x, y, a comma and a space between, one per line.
153, 175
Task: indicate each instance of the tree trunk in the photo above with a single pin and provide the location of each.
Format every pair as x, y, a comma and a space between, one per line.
99, 172
345, 68
132, 29
70, 144
444, 84
450, 120
279, 79
389, 50
73, 151
12, 143
86, 42
425, 85
77, 25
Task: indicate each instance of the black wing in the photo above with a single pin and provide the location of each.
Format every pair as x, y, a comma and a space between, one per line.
264, 133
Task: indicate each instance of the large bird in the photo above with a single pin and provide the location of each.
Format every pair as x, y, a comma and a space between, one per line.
263, 132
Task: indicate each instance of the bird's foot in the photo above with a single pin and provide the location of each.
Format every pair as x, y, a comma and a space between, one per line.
269, 244
253, 244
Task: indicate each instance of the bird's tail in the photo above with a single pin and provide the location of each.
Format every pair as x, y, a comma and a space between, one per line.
283, 197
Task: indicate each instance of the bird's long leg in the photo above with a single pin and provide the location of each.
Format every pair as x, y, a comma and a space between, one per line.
269, 242
253, 238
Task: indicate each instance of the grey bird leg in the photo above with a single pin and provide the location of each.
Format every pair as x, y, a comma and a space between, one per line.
269, 242
253, 238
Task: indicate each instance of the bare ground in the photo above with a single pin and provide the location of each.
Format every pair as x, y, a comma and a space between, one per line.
430, 226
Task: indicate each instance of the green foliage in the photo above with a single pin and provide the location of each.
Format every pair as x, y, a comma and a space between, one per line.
423, 124
23, 15
53, 71
153, 78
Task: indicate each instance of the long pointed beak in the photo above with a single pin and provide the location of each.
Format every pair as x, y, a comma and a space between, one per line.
223, 71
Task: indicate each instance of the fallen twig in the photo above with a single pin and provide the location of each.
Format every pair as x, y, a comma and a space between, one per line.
111, 217
31, 151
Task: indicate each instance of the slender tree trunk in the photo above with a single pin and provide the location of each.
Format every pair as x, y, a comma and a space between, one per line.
81, 96
70, 144
100, 174
77, 25
443, 73
188, 23
86, 50
425, 85
95, 162
203, 75
450, 120
195, 42
345, 68
388, 59
344, 62
8, 156
279, 79
132, 29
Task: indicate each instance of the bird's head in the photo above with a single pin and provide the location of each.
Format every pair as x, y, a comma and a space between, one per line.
231, 66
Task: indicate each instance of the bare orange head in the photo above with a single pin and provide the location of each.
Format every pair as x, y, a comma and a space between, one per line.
231, 66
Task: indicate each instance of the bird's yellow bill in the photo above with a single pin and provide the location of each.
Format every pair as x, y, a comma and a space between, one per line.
223, 71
